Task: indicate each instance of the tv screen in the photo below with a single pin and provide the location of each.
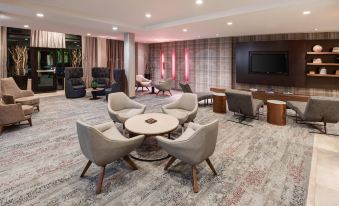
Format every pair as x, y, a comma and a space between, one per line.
268, 62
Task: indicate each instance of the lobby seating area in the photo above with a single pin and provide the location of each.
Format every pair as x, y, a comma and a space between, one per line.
169, 103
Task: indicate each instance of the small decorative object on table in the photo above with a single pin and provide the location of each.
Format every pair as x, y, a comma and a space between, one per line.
94, 84
150, 121
317, 60
317, 48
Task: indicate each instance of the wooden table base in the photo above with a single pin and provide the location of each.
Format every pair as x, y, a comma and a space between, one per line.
276, 113
219, 104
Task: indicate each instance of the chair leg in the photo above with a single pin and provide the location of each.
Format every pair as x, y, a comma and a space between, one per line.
170, 162
211, 166
325, 128
100, 180
86, 168
130, 162
38, 108
158, 92
182, 128
163, 92
30, 121
170, 92
2, 129
195, 179
147, 88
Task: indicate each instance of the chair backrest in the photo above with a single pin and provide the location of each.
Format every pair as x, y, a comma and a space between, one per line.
8, 86
185, 88
101, 75
320, 109
74, 75
118, 101
188, 101
240, 102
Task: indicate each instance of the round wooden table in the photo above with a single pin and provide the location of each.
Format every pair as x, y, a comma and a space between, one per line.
95, 92
163, 124
276, 112
219, 103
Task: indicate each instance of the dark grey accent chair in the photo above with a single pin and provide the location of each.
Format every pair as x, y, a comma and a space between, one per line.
101, 76
118, 84
243, 105
317, 109
202, 96
74, 85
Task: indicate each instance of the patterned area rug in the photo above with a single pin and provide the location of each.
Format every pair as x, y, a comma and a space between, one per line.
259, 165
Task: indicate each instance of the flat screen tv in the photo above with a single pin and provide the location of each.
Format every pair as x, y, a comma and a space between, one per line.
268, 62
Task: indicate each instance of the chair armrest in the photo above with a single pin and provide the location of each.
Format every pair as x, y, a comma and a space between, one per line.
11, 113
26, 93
8, 99
104, 126
194, 126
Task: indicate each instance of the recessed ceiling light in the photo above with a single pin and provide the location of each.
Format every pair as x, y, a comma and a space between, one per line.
88, 34
217, 35
40, 15
316, 29
148, 15
26, 26
115, 28
199, 2
306, 12
229, 23
184, 30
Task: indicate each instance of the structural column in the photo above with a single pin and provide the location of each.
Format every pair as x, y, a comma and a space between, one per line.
129, 62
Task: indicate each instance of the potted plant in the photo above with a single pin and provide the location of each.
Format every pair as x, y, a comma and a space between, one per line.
94, 84
19, 55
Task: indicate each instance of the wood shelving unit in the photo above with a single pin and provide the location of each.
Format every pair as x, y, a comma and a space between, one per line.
323, 53
322, 75
322, 64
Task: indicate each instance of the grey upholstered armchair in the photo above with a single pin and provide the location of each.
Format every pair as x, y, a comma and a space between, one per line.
194, 146
11, 94
243, 104
118, 84
142, 82
202, 96
317, 109
103, 144
74, 85
185, 109
121, 107
101, 76
14, 113
164, 86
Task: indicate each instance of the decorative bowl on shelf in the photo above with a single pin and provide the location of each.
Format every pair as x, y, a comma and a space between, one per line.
323, 70
335, 49
317, 60
317, 48
337, 72
311, 72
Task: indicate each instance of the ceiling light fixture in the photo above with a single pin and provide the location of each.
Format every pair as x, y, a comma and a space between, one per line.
88, 34
306, 12
184, 30
316, 29
26, 26
115, 28
40, 15
199, 2
148, 15
217, 35
229, 23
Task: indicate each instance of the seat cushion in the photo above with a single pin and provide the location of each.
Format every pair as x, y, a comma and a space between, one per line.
32, 100
28, 110
180, 114
298, 107
78, 87
125, 114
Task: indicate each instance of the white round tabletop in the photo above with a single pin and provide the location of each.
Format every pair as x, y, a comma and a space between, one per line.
275, 102
164, 124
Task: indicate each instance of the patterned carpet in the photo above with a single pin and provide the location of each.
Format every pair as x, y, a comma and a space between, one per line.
259, 165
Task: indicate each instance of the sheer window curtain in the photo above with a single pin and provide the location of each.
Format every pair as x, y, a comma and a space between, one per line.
47, 39
89, 57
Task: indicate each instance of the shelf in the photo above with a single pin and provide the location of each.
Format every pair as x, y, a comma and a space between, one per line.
322, 64
323, 53
322, 75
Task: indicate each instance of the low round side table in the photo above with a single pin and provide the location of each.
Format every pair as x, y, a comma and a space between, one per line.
162, 124
276, 112
219, 102
95, 92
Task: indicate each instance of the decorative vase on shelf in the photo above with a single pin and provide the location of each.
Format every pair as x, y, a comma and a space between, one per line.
317, 48
323, 70
317, 60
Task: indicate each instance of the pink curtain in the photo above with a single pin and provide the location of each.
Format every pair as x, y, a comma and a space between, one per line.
89, 57
115, 55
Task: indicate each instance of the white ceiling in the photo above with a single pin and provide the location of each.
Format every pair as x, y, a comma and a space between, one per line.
170, 17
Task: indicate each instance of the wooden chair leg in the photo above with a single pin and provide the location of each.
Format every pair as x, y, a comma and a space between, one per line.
170, 162
195, 179
211, 166
147, 88
100, 180
38, 108
158, 92
30, 121
170, 92
86, 168
130, 162
2, 128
